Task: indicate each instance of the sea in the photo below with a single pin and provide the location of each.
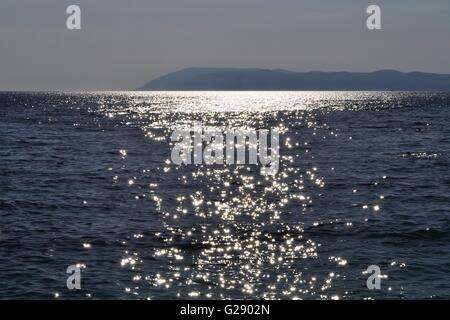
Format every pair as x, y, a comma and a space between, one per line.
359, 209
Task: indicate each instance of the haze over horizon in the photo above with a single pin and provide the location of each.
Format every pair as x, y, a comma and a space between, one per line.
122, 46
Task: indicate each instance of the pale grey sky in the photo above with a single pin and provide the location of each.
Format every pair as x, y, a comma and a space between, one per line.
124, 44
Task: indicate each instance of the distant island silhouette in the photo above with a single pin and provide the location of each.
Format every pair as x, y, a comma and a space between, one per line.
279, 79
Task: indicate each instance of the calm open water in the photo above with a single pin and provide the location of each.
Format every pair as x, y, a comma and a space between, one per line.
86, 179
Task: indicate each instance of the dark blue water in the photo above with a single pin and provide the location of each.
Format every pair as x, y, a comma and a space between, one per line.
87, 179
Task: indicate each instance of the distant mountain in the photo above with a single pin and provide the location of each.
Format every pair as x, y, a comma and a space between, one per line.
278, 79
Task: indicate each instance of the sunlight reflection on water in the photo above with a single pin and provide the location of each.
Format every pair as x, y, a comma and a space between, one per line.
230, 233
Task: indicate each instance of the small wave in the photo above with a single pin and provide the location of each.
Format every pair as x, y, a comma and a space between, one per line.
421, 155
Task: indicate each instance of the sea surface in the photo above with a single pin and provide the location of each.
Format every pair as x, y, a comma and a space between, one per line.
86, 179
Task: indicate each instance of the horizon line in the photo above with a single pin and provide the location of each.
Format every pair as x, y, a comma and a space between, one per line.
137, 89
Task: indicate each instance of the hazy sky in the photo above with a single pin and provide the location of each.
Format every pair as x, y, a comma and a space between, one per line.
123, 44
